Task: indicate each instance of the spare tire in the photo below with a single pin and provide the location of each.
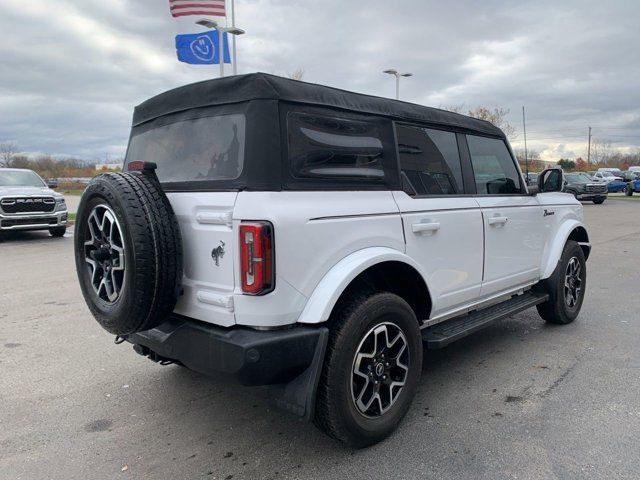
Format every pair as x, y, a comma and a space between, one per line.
128, 252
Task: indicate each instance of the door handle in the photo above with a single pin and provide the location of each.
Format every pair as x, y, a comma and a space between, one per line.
497, 220
425, 227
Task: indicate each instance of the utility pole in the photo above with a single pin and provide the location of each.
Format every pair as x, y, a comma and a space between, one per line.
526, 161
589, 149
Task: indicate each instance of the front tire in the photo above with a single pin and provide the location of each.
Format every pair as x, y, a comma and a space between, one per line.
57, 231
628, 190
566, 287
599, 201
372, 369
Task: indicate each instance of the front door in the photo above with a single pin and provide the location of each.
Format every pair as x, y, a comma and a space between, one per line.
514, 235
442, 227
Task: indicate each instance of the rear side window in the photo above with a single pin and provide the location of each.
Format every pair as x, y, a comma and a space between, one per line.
206, 148
429, 160
331, 147
494, 170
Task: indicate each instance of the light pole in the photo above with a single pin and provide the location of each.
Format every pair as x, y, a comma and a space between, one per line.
221, 31
395, 73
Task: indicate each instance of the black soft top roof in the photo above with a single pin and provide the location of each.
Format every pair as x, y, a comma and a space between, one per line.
262, 86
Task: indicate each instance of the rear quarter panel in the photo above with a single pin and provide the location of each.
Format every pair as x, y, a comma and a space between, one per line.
313, 232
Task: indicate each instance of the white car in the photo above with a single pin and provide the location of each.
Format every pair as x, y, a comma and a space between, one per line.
316, 240
605, 176
28, 203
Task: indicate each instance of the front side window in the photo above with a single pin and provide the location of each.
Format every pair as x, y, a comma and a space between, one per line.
429, 160
206, 148
331, 147
494, 170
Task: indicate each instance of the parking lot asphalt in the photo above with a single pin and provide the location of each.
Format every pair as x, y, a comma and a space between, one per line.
521, 399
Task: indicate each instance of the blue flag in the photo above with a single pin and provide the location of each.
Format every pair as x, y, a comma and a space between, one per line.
201, 48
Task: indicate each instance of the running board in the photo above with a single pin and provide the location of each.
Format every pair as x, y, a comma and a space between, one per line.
442, 334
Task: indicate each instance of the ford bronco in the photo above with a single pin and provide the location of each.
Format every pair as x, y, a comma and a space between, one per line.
274, 232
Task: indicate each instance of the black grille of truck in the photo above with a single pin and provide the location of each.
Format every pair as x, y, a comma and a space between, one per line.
28, 205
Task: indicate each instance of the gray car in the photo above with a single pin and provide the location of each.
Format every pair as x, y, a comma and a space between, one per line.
27, 203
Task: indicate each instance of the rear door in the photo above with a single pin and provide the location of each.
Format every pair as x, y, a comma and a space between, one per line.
442, 226
514, 227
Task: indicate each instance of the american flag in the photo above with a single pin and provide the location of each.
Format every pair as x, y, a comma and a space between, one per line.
181, 8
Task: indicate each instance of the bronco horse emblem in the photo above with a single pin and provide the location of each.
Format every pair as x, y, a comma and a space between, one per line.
217, 253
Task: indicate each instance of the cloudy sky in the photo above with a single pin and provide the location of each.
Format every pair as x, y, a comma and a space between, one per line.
72, 70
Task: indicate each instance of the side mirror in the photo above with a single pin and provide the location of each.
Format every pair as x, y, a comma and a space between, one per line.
551, 180
52, 183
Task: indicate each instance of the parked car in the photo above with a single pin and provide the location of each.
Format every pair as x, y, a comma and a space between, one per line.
630, 175
615, 171
605, 176
531, 178
634, 169
632, 186
28, 203
313, 239
616, 186
583, 187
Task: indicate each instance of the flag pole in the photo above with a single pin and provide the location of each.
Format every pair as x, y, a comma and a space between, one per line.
221, 51
233, 40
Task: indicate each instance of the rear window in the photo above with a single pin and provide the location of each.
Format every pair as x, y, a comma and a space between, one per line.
429, 160
330, 147
206, 148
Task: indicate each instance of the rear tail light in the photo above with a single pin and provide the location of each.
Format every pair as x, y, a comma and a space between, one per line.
257, 258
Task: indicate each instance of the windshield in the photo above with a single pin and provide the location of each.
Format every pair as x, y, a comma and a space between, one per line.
20, 178
207, 148
578, 177
607, 174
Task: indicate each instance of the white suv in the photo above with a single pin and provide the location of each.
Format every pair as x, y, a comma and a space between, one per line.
275, 232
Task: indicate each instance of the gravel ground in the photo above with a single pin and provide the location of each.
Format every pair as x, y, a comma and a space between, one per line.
519, 400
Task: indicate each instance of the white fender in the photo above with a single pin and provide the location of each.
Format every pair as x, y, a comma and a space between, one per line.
550, 260
328, 291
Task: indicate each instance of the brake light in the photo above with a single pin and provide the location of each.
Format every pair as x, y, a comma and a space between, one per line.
257, 258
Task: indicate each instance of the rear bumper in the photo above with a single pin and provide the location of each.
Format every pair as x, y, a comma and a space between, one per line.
41, 221
239, 355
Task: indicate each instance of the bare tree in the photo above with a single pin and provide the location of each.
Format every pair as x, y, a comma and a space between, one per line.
297, 74
19, 161
7, 151
533, 162
497, 116
601, 150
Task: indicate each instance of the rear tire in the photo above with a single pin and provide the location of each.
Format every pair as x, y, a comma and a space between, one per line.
350, 406
565, 301
57, 231
628, 190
